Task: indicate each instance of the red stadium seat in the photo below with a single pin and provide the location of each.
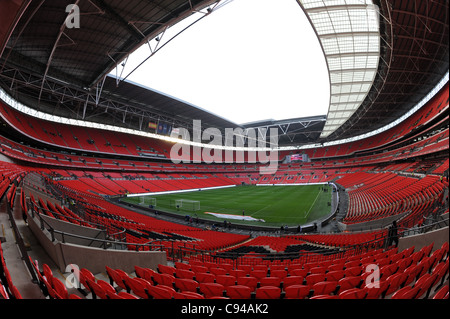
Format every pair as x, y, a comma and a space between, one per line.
205, 277
187, 295
184, 273
336, 267
212, 289
226, 280
246, 268
85, 274
60, 289
314, 278
441, 270
237, 273
184, 284
352, 271
324, 287
297, 292
426, 264
140, 271
353, 293
268, 292
334, 275
317, 270
427, 249
396, 281
51, 292
117, 277
280, 273
261, 267
298, 272
324, 297
412, 274
239, 292
164, 279
376, 290
47, 272
15, 292
349, 282
442, 293
140, 287
164, 269
43, 282
108, 288
218, 271
388, 270
3, 293
121, 295
425, 283
259, 273
270, 281
407, 292
180, 265
251, 282
98, 289
199, 269
161, 292
404, 263
149, 275
292, 280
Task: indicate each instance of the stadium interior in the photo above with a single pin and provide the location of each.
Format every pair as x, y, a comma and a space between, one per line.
75, 140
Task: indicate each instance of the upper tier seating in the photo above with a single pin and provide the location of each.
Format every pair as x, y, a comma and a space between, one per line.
106, 142
81, 138
426, 114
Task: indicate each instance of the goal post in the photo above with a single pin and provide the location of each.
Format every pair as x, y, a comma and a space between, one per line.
187, 204
147, 201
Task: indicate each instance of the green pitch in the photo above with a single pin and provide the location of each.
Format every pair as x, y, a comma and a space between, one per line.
276, 205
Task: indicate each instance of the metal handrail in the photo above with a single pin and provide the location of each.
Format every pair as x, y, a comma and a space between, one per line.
340, 251
105, 243
96, 225
425, 228
21, 244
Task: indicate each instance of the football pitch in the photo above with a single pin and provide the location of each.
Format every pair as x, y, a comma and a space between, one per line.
262, 205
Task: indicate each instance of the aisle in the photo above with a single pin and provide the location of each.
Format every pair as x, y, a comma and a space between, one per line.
20, 275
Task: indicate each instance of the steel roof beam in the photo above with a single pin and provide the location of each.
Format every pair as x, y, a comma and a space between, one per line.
118, 18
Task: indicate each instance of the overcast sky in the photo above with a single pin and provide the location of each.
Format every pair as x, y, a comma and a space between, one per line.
250, 60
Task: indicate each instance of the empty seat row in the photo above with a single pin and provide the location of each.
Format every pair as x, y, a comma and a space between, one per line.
424, 279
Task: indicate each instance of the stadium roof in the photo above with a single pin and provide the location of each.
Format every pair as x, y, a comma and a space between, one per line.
107, 32
349, 33
64, 70
414, 58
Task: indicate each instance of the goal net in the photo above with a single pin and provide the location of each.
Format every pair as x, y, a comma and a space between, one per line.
187, 204
147, 201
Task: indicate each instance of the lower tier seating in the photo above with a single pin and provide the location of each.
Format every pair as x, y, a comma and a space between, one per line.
377, 274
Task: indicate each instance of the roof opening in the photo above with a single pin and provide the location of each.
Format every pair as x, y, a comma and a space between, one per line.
251, 60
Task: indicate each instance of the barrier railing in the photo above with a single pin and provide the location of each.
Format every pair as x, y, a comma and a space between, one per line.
329, 253
103, 243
